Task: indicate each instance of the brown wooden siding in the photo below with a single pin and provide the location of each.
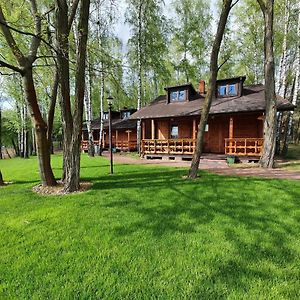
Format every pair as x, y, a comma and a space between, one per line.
244, 126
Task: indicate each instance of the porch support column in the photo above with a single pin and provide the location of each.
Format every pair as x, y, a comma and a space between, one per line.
143, 130
116, 136
128, 138
194, 129
230, 133
152, 129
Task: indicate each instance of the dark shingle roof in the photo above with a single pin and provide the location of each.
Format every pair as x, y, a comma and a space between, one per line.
253, 99
116, 124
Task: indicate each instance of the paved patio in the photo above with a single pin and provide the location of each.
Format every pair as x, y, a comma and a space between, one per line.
212, 163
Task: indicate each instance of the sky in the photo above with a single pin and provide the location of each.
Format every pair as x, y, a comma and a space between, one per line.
122, 29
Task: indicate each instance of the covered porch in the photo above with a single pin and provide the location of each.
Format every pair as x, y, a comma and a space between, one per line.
239, 135
122, 140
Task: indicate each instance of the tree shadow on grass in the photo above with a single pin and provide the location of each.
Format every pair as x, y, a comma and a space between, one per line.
255, 216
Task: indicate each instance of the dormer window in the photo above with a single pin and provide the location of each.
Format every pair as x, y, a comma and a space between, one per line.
126, 114
228, 90
105, 116
178, 96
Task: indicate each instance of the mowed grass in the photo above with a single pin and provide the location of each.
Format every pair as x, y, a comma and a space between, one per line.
293, 158
146, 233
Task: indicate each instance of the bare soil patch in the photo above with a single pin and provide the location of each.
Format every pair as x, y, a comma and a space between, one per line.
59, 189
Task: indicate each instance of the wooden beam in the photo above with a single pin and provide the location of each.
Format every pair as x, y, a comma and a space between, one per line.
230, 133
194, 129
143, 130
128, 132
231, 128
152, 129
116, 136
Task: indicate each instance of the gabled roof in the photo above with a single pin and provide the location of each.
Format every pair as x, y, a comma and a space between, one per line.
116, 124
252, 100
189, 84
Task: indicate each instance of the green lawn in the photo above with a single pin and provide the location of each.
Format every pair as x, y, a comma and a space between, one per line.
146, 233
293, 158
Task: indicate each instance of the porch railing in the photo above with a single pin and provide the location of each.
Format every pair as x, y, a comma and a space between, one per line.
121, 145
126, 145
244, 146
170, 146
85, 144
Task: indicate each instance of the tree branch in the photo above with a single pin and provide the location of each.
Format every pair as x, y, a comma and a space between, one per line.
72, 14
223, 63
4, 24
10, 39
232, 5
36, 40
11, 67
262, 5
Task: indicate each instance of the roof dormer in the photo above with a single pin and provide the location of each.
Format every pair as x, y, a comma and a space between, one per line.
180, 93
230, 87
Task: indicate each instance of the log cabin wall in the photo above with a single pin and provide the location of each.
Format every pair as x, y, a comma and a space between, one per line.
244, 126
185, 127
163, 129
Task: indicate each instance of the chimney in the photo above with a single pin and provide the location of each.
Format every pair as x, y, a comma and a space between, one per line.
202, 87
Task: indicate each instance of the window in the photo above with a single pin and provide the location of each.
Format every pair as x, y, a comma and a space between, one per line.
174, 132
227, 90
232, 90
178, 96
206, 128
222, 90
105, 116
125, 114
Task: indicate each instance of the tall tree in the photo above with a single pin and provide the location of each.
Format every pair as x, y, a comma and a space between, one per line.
71, 121
147, 42
226, 7
191, 38
89, 111
270, 123
295, 90
25, 64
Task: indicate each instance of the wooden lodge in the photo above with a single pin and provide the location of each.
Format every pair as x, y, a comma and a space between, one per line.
124, 134
235, 124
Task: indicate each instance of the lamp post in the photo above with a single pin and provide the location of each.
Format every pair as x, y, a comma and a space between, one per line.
110, 101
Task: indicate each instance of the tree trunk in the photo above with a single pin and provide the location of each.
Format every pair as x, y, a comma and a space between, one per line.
51, 112
16, 148
1, 157
89, 115
281, 86
270, 123
295, 91
211, 88
72, 124
282, 81
1, 179
139, 57
102, 83
43, 153
33, 152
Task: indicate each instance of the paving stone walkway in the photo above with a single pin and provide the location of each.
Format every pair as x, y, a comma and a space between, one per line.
217, 166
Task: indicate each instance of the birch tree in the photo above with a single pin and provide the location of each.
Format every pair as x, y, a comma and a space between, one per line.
191, 37
89, 111
145, 44
295, 90
226, 7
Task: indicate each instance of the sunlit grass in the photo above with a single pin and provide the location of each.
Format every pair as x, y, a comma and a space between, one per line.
146, 233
